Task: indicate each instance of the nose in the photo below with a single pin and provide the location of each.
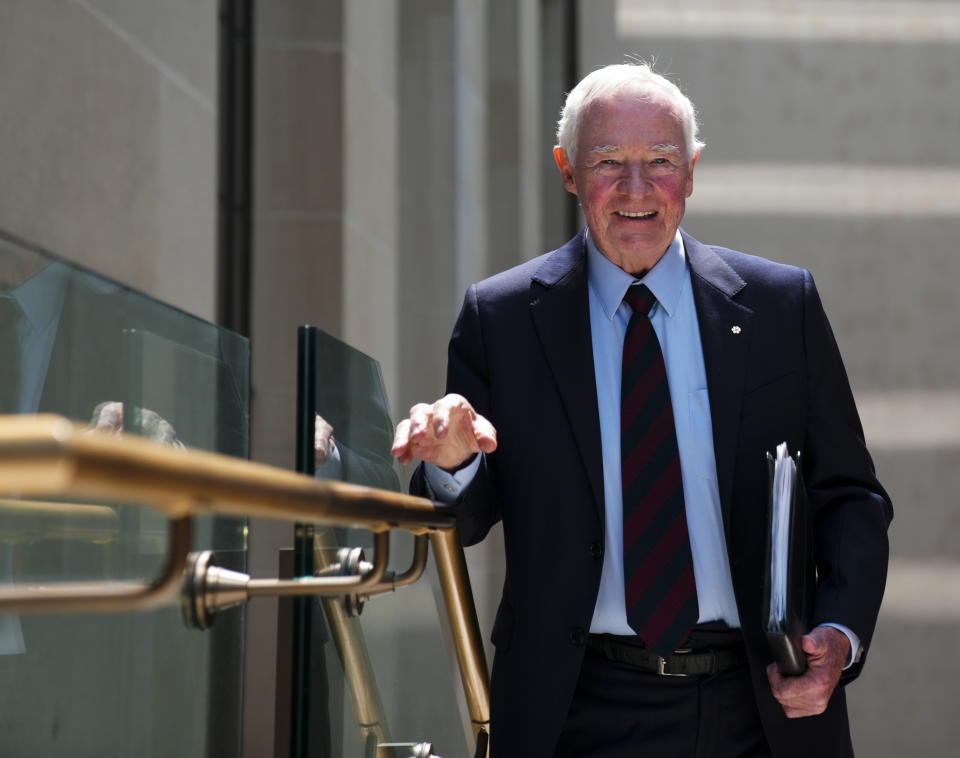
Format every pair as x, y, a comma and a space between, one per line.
634, 181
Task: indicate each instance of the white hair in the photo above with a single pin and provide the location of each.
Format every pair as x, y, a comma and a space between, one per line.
638, 78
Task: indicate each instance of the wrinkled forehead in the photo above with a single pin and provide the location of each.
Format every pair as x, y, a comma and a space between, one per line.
649, 115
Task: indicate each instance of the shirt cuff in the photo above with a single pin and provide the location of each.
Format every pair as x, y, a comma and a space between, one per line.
854, 655
446, 487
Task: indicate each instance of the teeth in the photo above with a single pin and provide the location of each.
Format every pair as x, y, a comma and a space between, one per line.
644, 214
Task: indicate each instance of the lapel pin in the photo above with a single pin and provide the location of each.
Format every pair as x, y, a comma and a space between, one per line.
735, 329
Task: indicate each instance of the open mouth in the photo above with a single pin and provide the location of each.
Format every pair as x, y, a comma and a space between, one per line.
640, 215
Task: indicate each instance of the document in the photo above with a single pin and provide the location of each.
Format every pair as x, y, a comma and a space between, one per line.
790, 575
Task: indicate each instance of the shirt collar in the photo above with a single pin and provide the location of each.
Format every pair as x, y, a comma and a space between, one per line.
665, 280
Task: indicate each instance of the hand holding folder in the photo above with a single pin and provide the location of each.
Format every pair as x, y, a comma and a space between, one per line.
790, 570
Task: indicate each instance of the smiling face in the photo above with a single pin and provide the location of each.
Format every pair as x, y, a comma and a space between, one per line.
632, 175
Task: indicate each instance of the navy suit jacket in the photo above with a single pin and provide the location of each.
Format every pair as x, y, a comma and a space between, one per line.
521, 352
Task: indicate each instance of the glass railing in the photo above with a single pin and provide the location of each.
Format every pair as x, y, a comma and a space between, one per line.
392, 674
382, 662
87, 348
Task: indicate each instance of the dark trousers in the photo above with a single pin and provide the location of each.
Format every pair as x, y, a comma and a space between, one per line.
620, 711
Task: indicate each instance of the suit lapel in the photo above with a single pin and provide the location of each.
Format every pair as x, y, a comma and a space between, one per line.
560, 308
725, 331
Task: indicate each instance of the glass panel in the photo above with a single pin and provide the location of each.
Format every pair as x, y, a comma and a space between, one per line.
83, 346
409, 692
352, 405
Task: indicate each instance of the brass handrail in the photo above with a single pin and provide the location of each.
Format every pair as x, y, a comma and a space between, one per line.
50, 456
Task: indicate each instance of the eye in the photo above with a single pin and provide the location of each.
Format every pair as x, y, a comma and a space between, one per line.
660, 161
609, 162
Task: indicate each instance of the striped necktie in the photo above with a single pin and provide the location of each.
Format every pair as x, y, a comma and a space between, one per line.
660, 592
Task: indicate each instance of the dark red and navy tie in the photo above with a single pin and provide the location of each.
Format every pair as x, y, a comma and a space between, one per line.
660, 591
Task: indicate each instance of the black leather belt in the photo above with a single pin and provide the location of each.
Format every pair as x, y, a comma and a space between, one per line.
683, 662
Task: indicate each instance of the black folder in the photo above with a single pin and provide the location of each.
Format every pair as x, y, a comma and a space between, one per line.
790, 575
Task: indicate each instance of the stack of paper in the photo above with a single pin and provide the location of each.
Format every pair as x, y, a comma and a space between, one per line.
790, 575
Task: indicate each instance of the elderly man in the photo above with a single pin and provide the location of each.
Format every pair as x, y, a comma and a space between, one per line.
612, 403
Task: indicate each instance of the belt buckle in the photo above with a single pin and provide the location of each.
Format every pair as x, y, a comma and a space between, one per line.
662, 662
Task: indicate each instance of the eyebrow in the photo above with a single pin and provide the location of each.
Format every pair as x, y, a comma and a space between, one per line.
663, 147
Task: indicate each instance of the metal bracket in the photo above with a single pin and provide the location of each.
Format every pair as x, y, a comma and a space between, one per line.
350, 563
353, 603
208, 589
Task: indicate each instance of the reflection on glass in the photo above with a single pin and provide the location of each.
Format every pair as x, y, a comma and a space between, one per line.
82, 346
389, 676
73, 341
353, 428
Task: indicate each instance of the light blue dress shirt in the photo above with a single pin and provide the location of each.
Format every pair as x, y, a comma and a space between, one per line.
674, 319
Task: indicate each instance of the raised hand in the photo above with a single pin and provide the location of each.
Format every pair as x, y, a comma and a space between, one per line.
445, 433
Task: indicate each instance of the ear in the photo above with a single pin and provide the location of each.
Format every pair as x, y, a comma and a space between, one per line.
693, 163
566, 170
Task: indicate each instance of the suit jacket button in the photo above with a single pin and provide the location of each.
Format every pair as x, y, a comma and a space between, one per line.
596, 550
578, 637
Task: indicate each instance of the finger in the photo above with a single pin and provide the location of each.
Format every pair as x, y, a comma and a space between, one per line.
807, 701
459, 407
809, 706
451, 416
401, 438
791, 690
419, 420
444, 414
401, 442
456, 401
485, 434
780, 686
812, 645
